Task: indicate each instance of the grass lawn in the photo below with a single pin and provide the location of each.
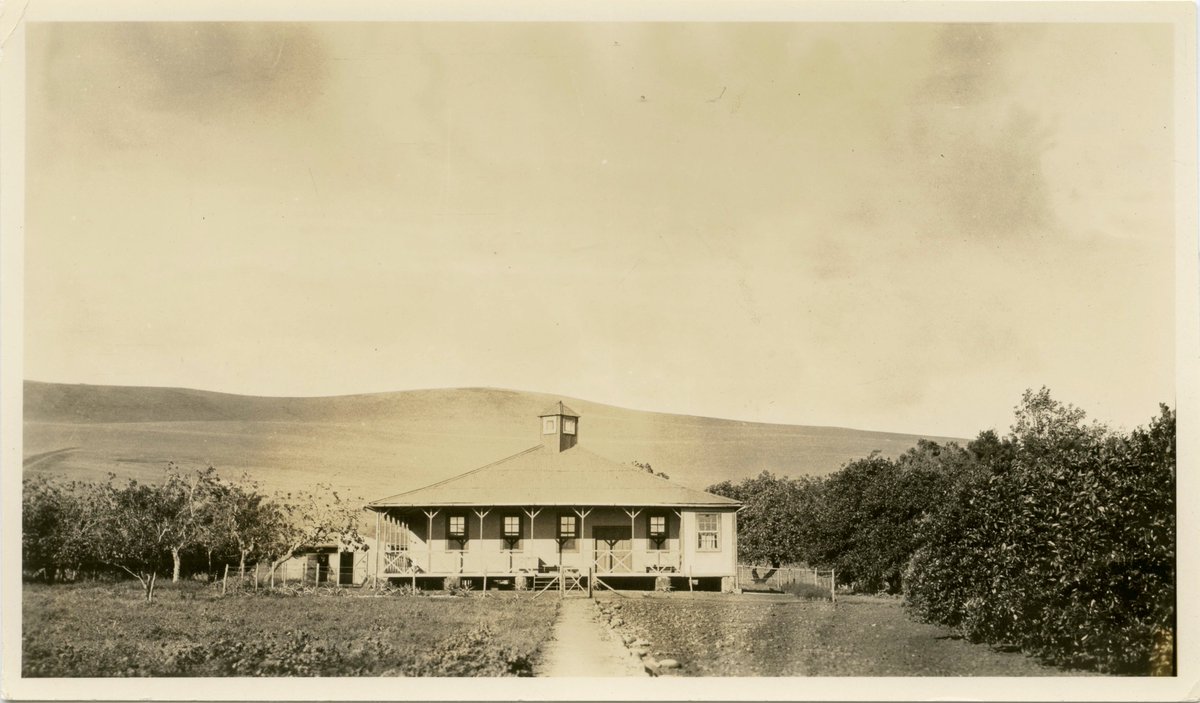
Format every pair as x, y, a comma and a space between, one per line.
107, 630
771, 635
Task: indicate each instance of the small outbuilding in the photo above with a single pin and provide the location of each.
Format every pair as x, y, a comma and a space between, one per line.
557, 511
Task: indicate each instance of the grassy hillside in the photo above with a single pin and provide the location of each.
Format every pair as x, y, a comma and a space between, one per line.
383, 443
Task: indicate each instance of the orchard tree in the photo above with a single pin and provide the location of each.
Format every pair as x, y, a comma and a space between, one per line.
775, 524
1065, 548
135, 531
58, 526
191, 498
310, 518
246, 520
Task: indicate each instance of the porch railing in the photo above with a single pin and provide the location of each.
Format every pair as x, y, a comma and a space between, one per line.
406, 562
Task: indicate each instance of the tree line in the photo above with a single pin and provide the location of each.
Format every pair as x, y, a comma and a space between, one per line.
189, 522
1058, 537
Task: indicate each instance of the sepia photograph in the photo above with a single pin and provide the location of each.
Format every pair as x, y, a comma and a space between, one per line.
599, 356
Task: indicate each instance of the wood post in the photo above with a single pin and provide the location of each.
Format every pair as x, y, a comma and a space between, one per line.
380, 545
532, 521
591, 570
225, 580
317, 577
833, 585
429, 538
256, 577
590, 558
689, 578
272, 577
633, 533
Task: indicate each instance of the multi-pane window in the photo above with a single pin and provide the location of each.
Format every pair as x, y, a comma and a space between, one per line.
568, 530
657, 529
708, 534
456, 530
512, 531
567, 526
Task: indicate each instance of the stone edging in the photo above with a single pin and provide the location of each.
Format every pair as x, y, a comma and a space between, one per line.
637, 646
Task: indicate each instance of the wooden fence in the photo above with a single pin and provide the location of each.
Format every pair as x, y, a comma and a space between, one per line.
786, 579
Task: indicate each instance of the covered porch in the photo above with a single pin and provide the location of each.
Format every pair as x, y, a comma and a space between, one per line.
506, 542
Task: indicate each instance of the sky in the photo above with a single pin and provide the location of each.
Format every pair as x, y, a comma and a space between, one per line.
882, 226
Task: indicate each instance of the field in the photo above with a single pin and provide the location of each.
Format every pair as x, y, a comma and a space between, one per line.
766, 635
106, 630
371, 446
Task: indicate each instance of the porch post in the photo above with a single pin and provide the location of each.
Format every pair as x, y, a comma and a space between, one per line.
482, 548
583, 536
679, 545
633, 534
532, 536
429, 539
378, 545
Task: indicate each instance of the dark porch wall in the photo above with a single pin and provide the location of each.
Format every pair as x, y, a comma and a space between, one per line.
545, 527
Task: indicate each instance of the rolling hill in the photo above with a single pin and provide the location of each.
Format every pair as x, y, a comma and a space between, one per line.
379, 444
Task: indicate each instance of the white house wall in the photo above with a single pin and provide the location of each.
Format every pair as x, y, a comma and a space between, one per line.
723, 561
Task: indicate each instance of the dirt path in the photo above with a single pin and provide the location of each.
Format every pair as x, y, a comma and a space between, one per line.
581, 646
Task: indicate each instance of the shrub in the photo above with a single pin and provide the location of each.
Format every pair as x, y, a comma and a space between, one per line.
1066, 549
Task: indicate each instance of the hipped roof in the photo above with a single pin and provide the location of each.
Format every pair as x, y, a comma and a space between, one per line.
541, 476
559, 409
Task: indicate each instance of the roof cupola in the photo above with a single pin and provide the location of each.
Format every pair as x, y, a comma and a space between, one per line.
560, 427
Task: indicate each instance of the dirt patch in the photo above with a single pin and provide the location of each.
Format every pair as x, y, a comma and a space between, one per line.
745, 635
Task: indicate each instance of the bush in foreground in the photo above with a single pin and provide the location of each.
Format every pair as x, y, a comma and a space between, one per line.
1066, 549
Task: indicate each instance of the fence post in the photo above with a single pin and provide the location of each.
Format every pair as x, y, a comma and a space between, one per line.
225, 580
591, 571
833, 585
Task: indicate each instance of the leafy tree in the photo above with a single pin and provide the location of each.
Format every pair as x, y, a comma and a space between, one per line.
246, 519
310, 518
191, 499
1066, 546
775, 524
134, 531
57, 526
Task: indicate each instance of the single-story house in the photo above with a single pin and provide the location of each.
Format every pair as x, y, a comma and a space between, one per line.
557, 508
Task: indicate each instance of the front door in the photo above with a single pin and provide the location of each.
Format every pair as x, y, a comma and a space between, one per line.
614, 550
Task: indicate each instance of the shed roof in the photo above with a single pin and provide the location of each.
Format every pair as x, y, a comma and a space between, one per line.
541, 476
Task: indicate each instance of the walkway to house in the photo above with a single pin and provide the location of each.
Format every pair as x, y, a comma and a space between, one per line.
582, 646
